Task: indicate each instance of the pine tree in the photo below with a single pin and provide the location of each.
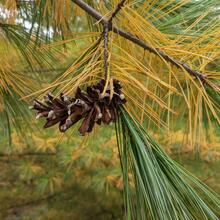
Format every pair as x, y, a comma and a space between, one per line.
165, 54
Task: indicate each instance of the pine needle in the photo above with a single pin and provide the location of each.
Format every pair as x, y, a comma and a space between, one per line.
159, 188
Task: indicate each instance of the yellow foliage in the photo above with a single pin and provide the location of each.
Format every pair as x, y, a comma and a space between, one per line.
18, 144
157, 92
44, 144
36, 168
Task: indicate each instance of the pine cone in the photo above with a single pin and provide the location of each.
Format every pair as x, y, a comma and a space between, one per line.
91, 106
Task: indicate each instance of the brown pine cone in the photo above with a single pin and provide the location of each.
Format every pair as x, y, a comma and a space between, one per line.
90, 105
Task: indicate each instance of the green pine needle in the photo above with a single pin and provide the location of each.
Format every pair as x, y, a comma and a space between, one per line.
156, 187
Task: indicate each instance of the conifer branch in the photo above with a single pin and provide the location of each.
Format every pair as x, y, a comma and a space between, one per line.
129, 36
106, 54
117, 9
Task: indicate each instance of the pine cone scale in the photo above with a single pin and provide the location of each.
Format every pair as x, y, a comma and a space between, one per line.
90, 105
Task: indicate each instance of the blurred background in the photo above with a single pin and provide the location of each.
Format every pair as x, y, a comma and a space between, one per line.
72, 177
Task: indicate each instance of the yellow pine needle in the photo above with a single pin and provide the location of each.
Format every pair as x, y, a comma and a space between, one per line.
81, 36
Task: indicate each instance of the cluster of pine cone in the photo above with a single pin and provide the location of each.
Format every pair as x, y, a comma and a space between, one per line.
91, 106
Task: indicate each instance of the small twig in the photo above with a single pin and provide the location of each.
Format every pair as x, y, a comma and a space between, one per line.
95, 14
105, 31
117, 9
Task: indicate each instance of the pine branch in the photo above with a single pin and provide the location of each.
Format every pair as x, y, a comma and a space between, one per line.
105, 32
106, 27
117, 9
129, 36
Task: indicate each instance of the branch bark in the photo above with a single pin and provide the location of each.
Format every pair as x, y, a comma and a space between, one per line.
129, 36
117, 9
106, 30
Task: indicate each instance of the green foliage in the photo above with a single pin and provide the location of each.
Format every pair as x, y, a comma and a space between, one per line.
162, 189
14, 115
